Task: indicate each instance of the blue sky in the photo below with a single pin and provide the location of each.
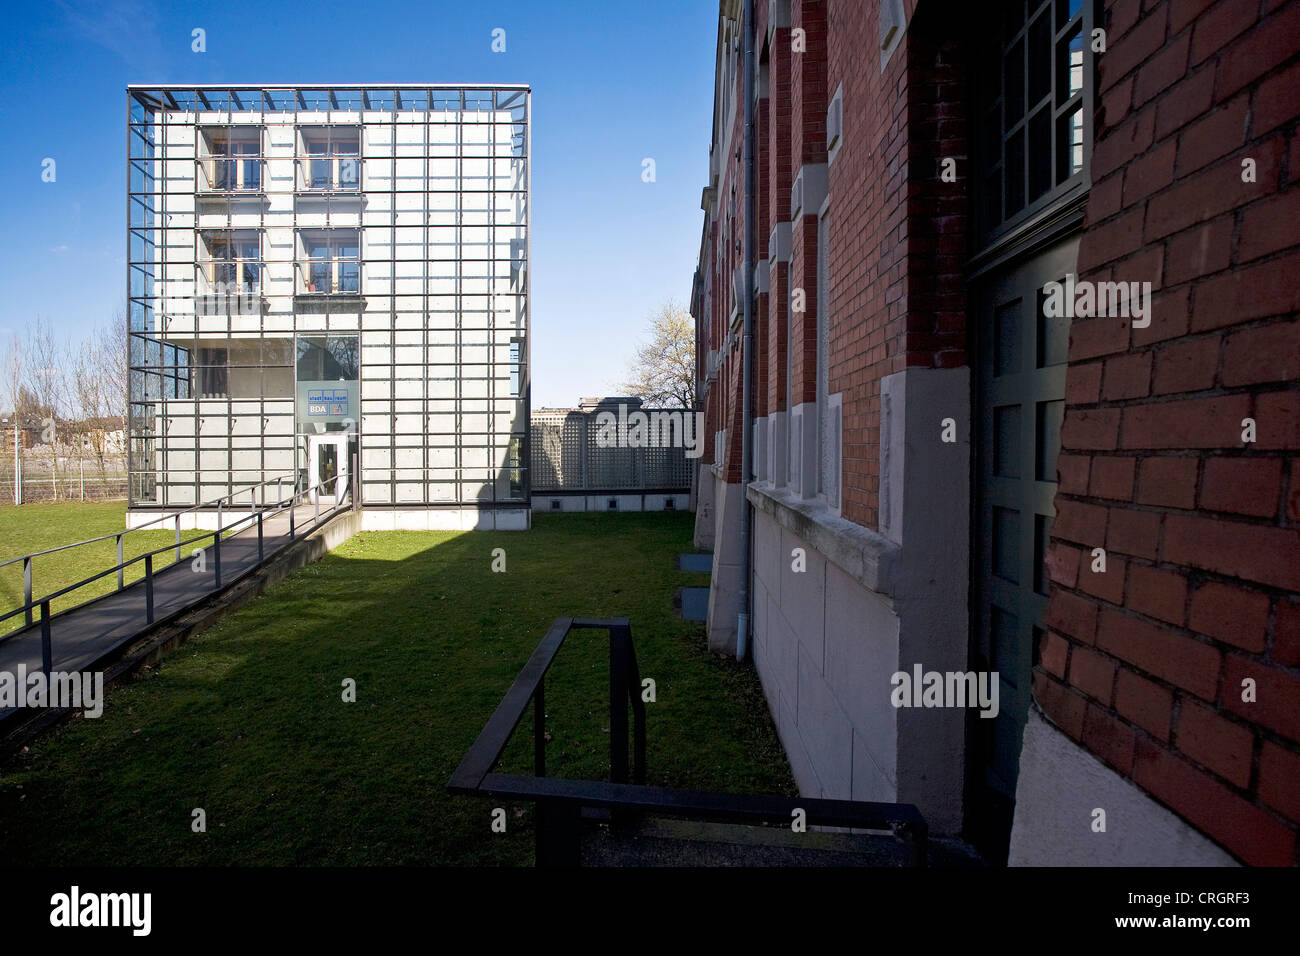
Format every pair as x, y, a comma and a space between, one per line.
613, 83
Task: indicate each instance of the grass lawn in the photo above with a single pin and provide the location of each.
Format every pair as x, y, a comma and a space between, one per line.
248, 723
29, 528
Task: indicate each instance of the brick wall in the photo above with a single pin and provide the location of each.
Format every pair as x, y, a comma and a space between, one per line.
1144, 664
898, 234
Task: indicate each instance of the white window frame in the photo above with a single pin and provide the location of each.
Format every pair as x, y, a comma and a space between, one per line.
332, 239
344, 167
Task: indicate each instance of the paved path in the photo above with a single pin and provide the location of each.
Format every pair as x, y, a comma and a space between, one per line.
82, 636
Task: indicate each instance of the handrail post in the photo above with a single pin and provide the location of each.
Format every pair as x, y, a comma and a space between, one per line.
539, 729
47, 645
27, 588
178, 537
119, 562
148, 588
618, 703
293, 500
316, 498
216, 555
259, 538
638, 713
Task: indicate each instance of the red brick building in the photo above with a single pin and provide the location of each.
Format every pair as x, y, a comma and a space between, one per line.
1019, 283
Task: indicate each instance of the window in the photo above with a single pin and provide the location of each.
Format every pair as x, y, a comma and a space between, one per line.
326, 373
515, 466
213, 374
1033, 91
516, 367
333, 158
234, 261
235, 162
333, 264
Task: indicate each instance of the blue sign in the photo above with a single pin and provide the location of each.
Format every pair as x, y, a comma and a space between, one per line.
328, 402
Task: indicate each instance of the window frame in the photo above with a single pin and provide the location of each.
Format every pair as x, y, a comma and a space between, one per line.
991, 142
332, 241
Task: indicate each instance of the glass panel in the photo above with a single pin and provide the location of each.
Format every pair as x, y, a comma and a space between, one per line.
1003, 628
1053, 337
1006, 441
1048, 439
1015, 174
1006, 343
1069, 65
1013, 85
349, 277
320, 277
320, 173
1040, 153
1040, 58
1065, 10
327, 456
1069, 144
1006, 544
1042, 533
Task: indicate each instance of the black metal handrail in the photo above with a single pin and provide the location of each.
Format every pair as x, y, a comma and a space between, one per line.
530, 686
226, 530
560, 801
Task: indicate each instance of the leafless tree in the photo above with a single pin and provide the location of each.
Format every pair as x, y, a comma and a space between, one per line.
662, 372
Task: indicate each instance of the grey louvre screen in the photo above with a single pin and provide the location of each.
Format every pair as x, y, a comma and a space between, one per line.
567, 456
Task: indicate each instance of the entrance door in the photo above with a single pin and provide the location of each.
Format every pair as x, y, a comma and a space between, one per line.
1020, 398
327, 467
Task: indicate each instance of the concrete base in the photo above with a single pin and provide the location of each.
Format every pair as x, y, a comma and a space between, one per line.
829, 638
372, 518
825, 648
705, 516
200, 520
569, 501
445, 519
1060, 787
724, 586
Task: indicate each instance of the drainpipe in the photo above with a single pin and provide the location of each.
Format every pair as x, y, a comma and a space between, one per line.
747, 397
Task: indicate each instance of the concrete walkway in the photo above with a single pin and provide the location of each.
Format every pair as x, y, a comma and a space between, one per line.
82, 636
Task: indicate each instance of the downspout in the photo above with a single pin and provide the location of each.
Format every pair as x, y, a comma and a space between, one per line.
747, 397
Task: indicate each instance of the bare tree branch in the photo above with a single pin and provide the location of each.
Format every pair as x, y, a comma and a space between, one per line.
663, 371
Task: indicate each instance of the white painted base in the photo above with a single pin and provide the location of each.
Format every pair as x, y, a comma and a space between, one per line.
1060, 786
825, 648
705, 492
724, 585
196, 520
445, 519
372, 519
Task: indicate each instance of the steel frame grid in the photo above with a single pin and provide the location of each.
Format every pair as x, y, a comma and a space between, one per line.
153, 165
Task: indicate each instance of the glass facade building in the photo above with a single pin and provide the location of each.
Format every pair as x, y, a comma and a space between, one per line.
329, 279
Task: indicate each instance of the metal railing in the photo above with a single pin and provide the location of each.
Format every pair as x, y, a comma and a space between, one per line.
561, 801
343, 496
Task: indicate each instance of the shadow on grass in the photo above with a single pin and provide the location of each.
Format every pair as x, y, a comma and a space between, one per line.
248, 723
